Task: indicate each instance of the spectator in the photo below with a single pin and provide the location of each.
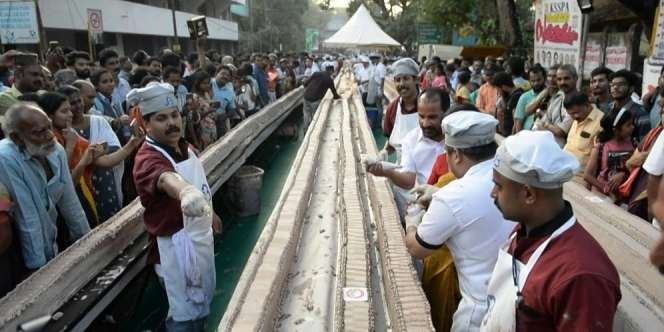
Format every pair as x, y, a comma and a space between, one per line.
28, 78
35, 170
64, 77
509, 97
110, 60
80, 63
623, 83
140, 58
555, 119
105, 104
88, 95
105, 165
173, 77
651, 101
515, 66
606, 169
272, 78
488, 95
463, 88
207, 128
585, 128
154, 66
125, 68
223, 93
537, 80
261, 77
316, 87
247, 92
137, 77
599, 87
440, 80
11, 263
636, 188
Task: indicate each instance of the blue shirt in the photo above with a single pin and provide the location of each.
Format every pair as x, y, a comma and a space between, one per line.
225, 95
36, 198
656, 113
261, 78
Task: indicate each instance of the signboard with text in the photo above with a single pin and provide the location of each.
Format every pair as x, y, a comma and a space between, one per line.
95, 25
18, 23
312, 40
558, 28
428, 34
617, 54
594, 54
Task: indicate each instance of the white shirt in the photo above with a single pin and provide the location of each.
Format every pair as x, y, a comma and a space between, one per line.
378, 72
463, 215
654, 164
418, 154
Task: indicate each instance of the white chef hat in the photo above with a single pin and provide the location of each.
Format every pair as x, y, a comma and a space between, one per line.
467, 129
406, 66
153, 98
534, 158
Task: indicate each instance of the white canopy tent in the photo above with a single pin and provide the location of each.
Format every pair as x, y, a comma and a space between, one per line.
361, 31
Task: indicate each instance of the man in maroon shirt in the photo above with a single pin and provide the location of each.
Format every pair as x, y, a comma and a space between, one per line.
552, 275
170, 181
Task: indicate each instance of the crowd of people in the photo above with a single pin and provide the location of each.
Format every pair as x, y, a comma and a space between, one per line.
83, 138
479, 217
73, 128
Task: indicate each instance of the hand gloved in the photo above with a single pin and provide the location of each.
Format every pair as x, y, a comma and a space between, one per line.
414, 216
193, 202
424, 193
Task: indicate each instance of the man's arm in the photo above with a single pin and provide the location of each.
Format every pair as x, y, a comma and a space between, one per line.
26, 214
438, 225
69, 204
171, 184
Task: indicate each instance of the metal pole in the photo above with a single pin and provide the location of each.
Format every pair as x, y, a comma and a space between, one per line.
176, 40
42, 33
584, 41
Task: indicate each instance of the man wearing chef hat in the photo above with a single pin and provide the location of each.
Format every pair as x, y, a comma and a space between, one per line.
171, 184
462, 215
551, 275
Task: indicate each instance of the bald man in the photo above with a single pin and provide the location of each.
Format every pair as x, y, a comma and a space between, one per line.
34, 168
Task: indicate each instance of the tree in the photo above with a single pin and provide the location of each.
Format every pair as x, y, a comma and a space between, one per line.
271, 24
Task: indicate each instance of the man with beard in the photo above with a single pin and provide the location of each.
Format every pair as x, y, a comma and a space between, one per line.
224, 92
622, 87
401, 114
154, 66
462, 215
170, 181
555, 119
35, 170
599, 86
28, 78
421, 145
552, 275
537, 79
587, 125
509, 97
488, 93
80, 63
109, 60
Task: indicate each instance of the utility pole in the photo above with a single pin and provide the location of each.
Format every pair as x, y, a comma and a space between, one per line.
42, 33
175, 45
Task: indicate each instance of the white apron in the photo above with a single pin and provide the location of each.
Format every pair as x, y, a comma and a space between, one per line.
507, 282
403, 124
187, 258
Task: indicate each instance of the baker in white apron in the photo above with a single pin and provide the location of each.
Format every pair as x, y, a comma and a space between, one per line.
462, 215
568, 282
186, 257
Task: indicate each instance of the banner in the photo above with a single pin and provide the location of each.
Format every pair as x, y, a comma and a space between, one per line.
558, 28
594, 54
658, 33
312, 40
651, 70
18, 23
617, 54
95, 25
240, 10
